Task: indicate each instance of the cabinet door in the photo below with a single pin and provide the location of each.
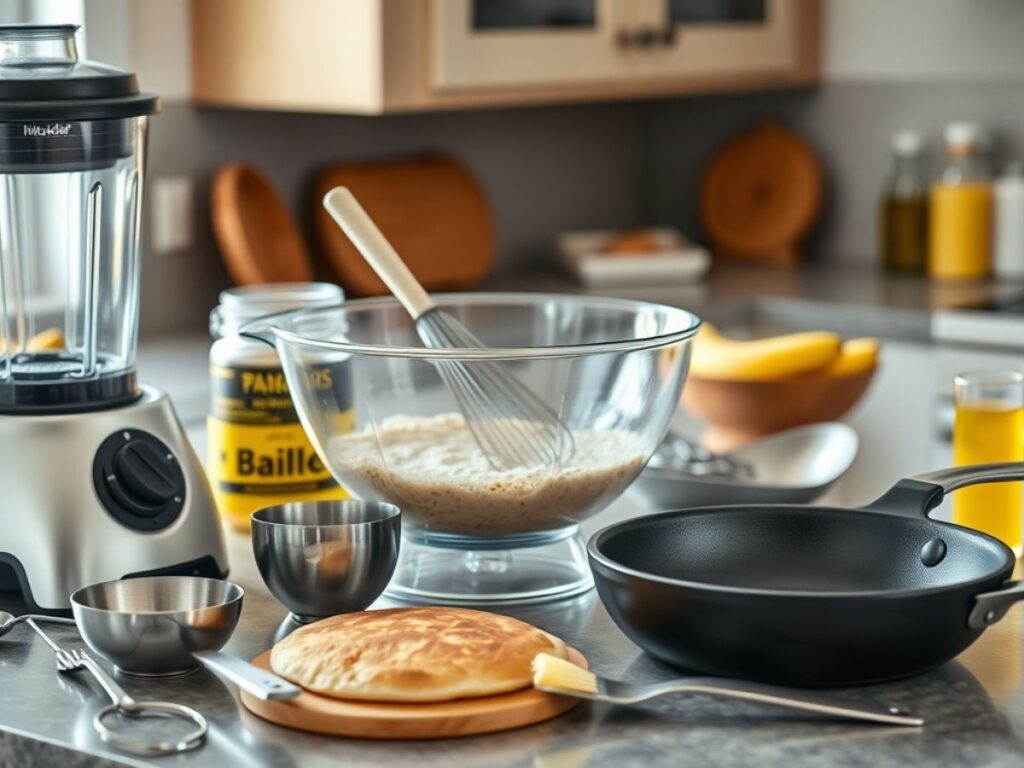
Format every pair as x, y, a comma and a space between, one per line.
724, 37
523, 43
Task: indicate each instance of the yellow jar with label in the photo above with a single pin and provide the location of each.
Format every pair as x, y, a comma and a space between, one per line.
258, 454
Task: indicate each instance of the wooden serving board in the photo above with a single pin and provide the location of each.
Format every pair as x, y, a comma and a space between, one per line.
432, 210
380, 720
760, 195
256, 233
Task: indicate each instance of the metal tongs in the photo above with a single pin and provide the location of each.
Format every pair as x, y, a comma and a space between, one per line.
122, 703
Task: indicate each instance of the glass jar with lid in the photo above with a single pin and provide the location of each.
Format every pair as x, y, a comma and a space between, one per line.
258, 454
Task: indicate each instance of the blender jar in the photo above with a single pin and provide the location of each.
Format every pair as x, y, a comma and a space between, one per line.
72, 147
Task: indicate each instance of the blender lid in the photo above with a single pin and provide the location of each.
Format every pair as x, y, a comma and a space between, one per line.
41, 78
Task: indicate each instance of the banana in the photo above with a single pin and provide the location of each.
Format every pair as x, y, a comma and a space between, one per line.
855, 356
50, 339
795, 354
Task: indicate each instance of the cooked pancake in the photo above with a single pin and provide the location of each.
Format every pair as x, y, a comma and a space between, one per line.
413, 654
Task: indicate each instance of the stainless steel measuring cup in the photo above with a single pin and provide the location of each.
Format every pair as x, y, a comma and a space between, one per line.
157, 626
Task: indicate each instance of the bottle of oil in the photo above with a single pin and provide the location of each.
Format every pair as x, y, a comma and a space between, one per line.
960, 232
904, 214
258, 454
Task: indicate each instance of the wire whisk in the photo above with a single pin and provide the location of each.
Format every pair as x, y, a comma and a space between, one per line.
510, 423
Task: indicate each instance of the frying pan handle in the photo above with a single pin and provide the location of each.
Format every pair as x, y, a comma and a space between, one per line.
958, 477
917, 495
990, 607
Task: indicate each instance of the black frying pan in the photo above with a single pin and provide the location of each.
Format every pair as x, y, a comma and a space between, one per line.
810, 596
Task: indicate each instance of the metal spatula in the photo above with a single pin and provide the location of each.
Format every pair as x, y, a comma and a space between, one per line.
556, 675
510, 423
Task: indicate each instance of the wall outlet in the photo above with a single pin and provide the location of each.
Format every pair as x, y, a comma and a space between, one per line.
173, 221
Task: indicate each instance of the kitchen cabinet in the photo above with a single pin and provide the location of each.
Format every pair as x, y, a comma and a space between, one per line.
380, 56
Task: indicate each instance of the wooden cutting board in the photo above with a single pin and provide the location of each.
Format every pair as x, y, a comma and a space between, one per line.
378, 720
432, 210
760, 195
256, 233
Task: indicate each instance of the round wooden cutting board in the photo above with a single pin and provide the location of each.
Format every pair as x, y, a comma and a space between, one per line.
760, 195
380, 720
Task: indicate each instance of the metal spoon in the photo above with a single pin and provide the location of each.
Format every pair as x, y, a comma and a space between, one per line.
9, 621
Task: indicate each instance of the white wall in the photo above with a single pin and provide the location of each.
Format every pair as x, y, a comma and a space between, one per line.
914, 40
108, 32
41, 12
161, 41
148, 37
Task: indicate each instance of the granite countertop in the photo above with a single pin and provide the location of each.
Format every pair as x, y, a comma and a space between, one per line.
974, 705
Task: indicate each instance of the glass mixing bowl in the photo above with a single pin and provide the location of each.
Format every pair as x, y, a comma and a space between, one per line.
612, 369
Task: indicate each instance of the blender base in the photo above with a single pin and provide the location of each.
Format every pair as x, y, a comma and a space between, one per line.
58, 532
441, 575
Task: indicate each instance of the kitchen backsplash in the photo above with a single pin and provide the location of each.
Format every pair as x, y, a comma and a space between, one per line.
544, 170
851, 125
553, 168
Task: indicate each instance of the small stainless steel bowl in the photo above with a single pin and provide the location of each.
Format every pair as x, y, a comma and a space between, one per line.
321, 558
151, 625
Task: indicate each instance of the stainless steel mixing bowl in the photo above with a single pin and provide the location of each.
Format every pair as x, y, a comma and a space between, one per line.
321, 558
153, 625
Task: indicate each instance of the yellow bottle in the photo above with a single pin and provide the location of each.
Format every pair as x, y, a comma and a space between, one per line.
989, 427
257, 453
960, 219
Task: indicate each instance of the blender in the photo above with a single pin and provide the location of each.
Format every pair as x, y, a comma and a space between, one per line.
99, 479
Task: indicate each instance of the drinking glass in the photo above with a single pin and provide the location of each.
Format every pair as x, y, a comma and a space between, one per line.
989, 427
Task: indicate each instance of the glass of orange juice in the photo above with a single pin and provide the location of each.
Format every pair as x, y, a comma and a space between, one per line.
989, 427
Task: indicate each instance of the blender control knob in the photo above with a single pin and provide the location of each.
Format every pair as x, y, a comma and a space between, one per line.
139, 480
146, 473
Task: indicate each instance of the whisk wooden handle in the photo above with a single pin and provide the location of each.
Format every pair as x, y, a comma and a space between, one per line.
378, 252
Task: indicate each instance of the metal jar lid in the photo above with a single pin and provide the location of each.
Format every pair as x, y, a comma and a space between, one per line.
250, 302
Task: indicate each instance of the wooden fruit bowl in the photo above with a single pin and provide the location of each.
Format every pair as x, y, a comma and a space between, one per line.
738, 412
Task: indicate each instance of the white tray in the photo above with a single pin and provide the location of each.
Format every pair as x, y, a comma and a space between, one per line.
679, 261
